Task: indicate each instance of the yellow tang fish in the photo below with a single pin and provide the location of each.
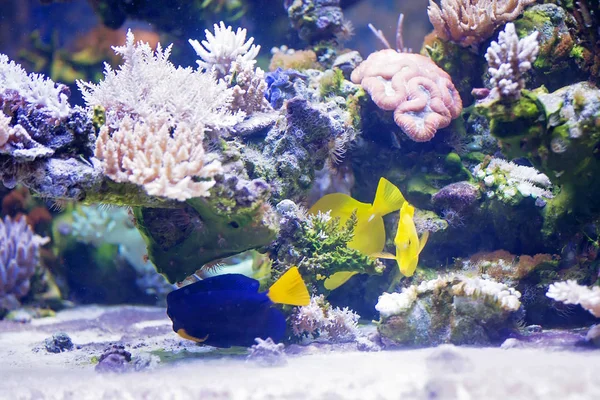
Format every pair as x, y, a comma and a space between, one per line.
369, 232
408, 245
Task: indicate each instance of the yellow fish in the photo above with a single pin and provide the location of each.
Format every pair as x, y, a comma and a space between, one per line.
408, 245
369, 232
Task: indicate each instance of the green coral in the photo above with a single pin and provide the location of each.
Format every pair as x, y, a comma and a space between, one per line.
320, 249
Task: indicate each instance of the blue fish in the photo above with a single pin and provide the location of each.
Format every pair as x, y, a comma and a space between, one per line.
228, 310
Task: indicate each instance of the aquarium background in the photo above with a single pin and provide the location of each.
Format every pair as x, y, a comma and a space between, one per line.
181, 177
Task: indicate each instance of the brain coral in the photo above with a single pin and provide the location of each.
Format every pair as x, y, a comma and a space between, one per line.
420, 93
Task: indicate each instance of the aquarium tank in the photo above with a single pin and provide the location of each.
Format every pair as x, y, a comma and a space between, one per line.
300, 199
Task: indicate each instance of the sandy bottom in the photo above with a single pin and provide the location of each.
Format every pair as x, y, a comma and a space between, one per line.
187, 371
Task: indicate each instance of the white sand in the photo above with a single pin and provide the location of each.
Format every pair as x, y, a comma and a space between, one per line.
446, 372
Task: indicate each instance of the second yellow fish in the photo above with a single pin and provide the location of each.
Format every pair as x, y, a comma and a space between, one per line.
369, 233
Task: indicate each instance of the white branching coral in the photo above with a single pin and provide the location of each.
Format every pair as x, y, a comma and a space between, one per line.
34, 88
249, 87
166, 162
232, 58
470, 22
148, 84
507, 179
508, 59
570, 292
320, 319
224, 47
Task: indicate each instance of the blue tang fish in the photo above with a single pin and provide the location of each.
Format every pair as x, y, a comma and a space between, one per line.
228, 310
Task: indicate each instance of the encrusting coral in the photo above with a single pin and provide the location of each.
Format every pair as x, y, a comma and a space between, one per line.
19, 257
470, 22
421, 94
451, 308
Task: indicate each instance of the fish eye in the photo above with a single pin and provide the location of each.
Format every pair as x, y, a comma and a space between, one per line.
234, 224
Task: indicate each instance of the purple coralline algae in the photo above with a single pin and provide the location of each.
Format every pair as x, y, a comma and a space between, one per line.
316, 20
458, 196
58, 343
19, 257
114, 359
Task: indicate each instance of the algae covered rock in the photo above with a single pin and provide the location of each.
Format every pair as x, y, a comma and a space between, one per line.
236, 218
451, 309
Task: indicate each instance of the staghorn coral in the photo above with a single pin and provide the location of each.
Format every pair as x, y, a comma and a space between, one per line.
34, 88
232, 58
470, 22
421, 95
222, 48
249, 88
19, 257
508, 59
167, 163
570, 292
148, 85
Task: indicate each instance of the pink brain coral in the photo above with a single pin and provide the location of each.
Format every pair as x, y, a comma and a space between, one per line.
420, 93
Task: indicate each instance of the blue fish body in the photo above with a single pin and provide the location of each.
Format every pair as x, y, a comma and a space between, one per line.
224, 311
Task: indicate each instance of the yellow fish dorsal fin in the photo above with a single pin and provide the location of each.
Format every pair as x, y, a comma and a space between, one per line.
338, 279
289, 289
339, 205
388, 198
187, 336
383, 254
423, 240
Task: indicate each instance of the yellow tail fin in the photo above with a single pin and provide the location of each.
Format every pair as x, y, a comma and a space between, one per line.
290, 289
423, 240
338, 279
388, 198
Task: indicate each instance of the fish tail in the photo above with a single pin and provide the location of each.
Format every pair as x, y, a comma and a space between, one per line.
388, 198
290, 289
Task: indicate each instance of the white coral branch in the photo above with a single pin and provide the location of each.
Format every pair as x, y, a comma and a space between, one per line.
508, 59
148, 85
224, 47
570, 292
35, 88
167, 162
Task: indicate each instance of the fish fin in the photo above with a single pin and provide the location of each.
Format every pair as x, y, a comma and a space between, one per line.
409, 268
181, 332
388, 198
423, 240
383, 254
339, 205
369, 236
338, 279
290, 289
220, 282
